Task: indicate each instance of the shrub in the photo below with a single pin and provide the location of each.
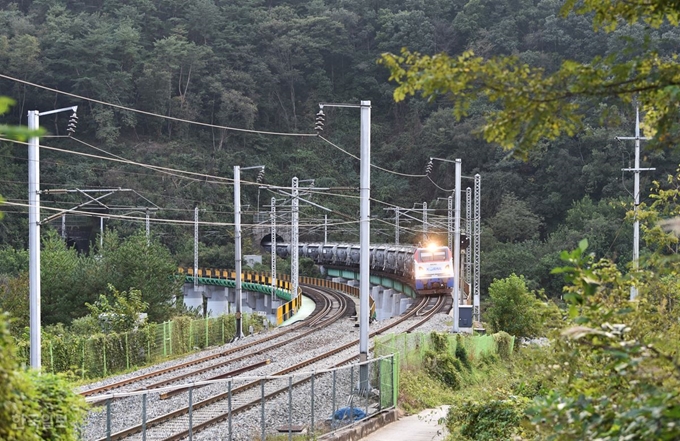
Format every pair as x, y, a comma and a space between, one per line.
34, 407
440, 342
504, 344
488, 421
514, 309
461, 353
443, 367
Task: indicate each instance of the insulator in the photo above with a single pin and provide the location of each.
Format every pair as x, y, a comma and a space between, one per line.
72, 122
260, 176
428, 168
320, 118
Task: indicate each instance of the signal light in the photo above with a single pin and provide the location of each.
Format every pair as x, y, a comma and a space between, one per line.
320, 118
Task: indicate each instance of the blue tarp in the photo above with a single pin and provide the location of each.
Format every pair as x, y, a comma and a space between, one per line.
344, 413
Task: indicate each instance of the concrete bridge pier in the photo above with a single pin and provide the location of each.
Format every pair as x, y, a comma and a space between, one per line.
193, 298
387, 309
377, 294
404, 303
218, 303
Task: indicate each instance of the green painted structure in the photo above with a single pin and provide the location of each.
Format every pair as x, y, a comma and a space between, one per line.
384, 281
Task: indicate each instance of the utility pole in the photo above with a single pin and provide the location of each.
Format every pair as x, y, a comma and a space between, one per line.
364, 232
456, 238
449, 221
477, 248
364, 241
468, 233
237, 251
424, 222
195, 248
325, 229
34, 229
456, 250
396, 226
636, 195
396, 223
295, 238
272, 247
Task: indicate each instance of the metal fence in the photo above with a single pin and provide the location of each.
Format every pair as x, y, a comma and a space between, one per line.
303, 404
412, 347
99, 355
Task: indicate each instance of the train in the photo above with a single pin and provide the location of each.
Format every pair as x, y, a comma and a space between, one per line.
429, 269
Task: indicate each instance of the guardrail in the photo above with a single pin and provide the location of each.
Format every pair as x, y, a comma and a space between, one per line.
262, 282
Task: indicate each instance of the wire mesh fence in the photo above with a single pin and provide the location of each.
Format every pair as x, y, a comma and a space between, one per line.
99, 355
256, 408
412, 347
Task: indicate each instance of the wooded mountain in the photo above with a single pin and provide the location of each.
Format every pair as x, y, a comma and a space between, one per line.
266, 65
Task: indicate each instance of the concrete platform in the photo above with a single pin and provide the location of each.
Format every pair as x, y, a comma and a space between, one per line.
387, 426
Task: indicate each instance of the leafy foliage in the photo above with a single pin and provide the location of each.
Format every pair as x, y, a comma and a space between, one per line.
620, 380
35, 407
267, 66
11, 131
513, 308
490, 420
536, 104
121, 313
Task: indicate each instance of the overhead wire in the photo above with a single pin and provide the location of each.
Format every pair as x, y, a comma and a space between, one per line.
144, 112
171, 171
220, 180
217, 179
124, 172
151, 220
440, 188
372, 165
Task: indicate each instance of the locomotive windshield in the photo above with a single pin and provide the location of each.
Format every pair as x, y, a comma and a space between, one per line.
433, 256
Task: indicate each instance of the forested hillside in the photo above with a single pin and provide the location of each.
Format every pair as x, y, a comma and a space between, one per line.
266, 65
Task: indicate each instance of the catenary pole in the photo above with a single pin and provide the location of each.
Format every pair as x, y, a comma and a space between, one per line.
34, 232
34, 238
195, 248
237, 235
476, 257
456, 250
364, 238
272, 248
295, 242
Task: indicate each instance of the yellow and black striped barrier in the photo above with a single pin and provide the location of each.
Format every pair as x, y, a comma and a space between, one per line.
262, 282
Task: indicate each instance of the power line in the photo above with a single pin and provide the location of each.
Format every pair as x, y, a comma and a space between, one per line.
143, 112
372, 165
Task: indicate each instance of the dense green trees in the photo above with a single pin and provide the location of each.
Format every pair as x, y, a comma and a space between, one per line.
70, 280
514, 309
267, 66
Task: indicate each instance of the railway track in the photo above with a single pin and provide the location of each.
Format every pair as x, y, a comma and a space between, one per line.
330, 307
222, 406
